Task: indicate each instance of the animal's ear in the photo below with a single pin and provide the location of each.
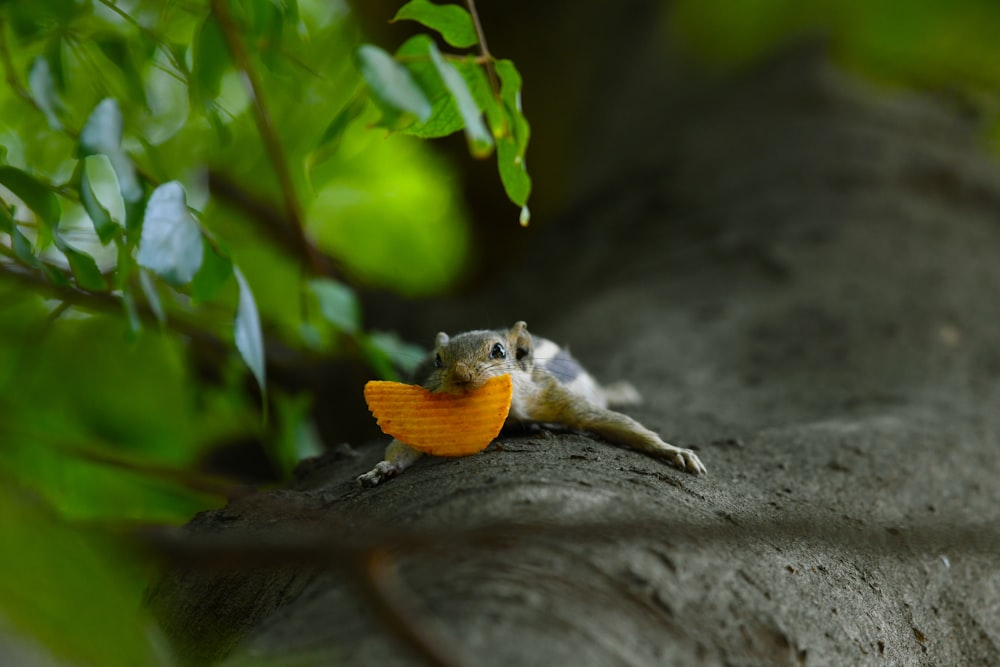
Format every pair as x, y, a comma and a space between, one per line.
440, 339
519, 339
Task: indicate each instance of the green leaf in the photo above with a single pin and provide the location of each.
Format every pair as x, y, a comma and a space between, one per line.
510, 94
338, 304
53, 569
247, 333
479, 138
387, 352
214, 272
117, 51
171, 243
43, 91
391, 83
22, 247
453, 22
335, 130
38, 196
6, 219
84, 268
105, 227
210, 60
444, 118
513, 173
102, 134
511, 148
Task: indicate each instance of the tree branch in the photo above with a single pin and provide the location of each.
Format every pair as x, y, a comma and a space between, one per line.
269, 134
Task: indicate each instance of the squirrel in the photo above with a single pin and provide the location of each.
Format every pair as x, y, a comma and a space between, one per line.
549, 387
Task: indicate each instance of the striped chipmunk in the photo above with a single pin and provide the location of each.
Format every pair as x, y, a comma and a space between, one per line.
549, 387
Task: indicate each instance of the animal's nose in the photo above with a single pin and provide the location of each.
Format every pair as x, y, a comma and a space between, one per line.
461, 372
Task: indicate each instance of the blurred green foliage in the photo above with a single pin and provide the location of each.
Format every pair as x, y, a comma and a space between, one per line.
182, 186
928, 43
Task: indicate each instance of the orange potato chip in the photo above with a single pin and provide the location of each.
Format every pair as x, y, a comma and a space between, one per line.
439, 423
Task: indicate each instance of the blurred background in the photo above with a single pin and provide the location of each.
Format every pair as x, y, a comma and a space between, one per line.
127, 401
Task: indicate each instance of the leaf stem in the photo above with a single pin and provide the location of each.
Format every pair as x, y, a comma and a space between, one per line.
484, 49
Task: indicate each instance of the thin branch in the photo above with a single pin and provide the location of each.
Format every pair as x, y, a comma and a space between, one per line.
152, 36
269, 219
484, 50
381, 589
105, 302
269, 134
10, 71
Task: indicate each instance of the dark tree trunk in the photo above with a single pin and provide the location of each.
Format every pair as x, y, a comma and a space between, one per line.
802, 275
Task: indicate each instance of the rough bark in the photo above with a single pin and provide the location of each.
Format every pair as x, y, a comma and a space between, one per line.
801, 274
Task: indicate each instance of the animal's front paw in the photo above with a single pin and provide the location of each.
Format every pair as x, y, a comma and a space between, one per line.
686, 460
382, 472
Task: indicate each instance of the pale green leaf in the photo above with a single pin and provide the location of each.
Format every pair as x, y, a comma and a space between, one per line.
105, 227
391, 83
387, 352
171, 243
43, 91
338, 304
102, 134
479, 138
453, 22
248, 335
21, 246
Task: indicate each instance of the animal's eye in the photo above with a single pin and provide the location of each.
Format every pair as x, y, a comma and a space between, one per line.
498, 352
437, 361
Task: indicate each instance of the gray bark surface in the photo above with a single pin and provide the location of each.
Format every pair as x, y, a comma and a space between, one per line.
800, 272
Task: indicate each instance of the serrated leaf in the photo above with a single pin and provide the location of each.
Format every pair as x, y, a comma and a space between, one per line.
84, 268
391, 83
214, 272
171, 243
453, 22
444, 118
247, 332
102, 134
479, 138
43, 91
338, 304
36, 195
105, 227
